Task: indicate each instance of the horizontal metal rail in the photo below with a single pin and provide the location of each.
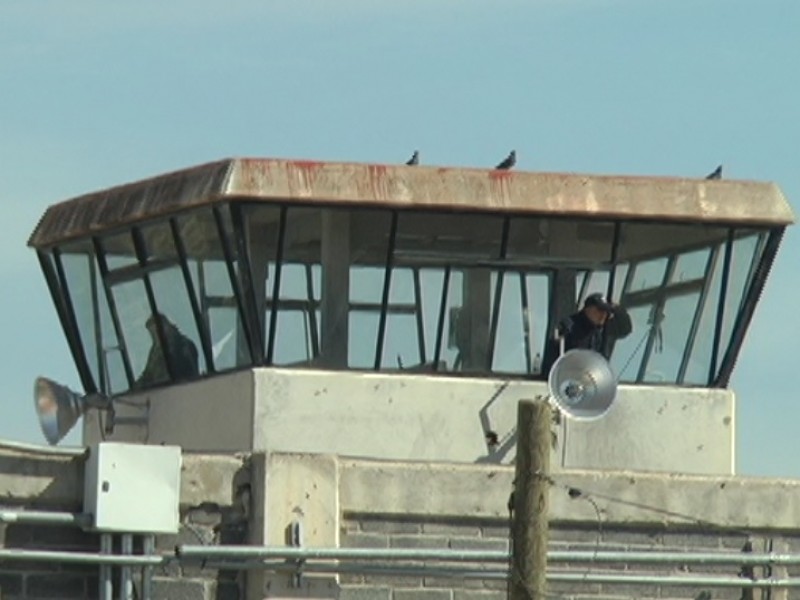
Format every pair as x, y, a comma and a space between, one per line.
92, 558
675, 558
676, 580
311, 560
460, 572
40, 517
190, 551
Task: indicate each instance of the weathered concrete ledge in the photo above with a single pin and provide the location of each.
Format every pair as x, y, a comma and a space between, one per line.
55, 480
624, 498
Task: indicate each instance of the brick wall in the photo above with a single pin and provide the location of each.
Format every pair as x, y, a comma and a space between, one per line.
380, 504
374, 531
214, 509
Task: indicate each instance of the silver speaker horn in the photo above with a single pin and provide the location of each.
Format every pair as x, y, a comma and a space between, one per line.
59, 408
582, 384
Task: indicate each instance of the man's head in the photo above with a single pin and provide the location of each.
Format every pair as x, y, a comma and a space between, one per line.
597, 309
153, 322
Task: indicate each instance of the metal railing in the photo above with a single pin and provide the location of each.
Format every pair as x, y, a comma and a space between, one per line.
411, 562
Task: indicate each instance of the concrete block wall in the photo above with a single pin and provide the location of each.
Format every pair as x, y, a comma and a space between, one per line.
389, 505
215, 504
370, 531
356, 503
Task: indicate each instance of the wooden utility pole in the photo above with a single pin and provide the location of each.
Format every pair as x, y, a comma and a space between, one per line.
529, 554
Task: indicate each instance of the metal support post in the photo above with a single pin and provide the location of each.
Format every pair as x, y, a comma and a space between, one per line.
125, 580
106, 591
149, 549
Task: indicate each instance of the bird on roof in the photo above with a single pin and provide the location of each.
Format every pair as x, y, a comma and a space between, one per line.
715, 174
509, 161
414, 160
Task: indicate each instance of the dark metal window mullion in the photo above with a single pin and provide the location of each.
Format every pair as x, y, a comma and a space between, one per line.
205, 336
419, 316
658, 309
57, 282
612, 275
252, 318
312, 312
141, 257
498, 294
102, 371
723, 294
102, 265
754, 262
746, 313
442, 313
276, 286
387, 280
526, 325
243, 320
702, 300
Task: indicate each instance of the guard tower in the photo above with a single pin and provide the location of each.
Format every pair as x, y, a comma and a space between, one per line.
401, 312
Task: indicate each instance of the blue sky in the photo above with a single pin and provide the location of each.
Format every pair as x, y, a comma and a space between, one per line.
94, 94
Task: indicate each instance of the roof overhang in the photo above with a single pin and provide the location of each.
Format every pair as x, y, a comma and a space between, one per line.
744, 203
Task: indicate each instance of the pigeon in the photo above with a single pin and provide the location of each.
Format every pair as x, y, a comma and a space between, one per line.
509, 161
715, 174
414, 160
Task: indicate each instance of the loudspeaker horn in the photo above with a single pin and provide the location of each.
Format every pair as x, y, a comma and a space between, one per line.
59, 408
582, 384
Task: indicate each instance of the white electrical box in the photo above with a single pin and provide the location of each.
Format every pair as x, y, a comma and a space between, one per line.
133, 488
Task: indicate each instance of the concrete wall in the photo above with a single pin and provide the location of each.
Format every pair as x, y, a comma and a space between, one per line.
214, 492
358, 503
417, 417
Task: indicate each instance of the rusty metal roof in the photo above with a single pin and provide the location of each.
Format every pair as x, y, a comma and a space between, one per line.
418, 187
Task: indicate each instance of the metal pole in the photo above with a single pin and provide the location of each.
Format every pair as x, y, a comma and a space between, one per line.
148, 548
106, 591
39, 517
529, 556
125, 581
85, 558
198, 552
676, 558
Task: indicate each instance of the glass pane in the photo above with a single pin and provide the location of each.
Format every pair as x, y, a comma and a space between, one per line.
228, 342
119, 250
511, 352
522, 322
402, 344
172, 301
691, 265
133, 311
429, 238
648, 274
745, 247
697, 368
79, 271
628, 352
297, 321
362, 326
670, 338
560, 242
211, 282
450, 354
113, 362
369, 244
296, 305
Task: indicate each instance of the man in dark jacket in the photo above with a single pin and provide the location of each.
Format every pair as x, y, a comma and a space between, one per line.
181, 351
595, 327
